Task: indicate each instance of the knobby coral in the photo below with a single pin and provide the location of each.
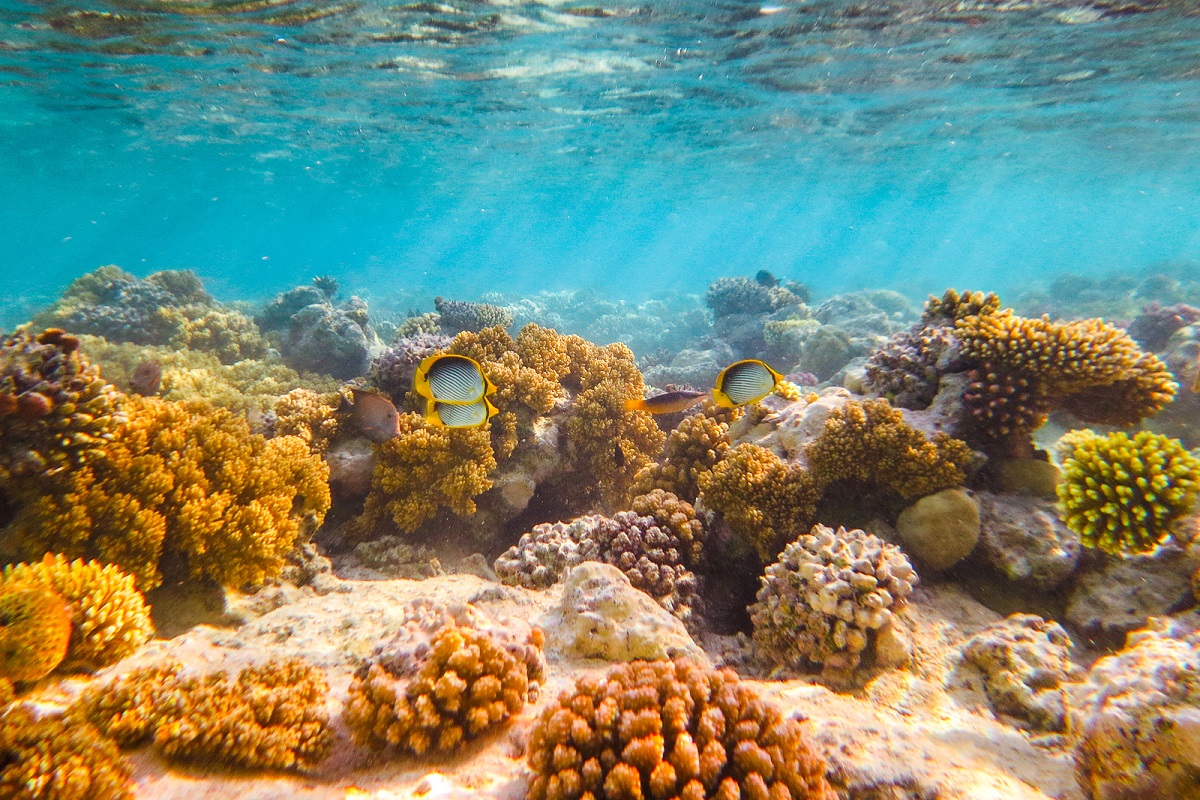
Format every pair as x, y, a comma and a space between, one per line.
1121, 493
828, 598
665, 730
693, 448
35, 626
109, 618
56, 758
187, 486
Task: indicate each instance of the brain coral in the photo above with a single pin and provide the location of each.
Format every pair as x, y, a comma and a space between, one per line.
762, 497
183, 486
35, 626
827, 598
693, 448
664, 730
52, 758
869, 441
1121, 493
55, 409
465, 684
272, 716
109, 618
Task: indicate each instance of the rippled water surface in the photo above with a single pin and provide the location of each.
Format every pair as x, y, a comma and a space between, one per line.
461, 147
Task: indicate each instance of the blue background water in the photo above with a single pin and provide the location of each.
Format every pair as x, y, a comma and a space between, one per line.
474, 147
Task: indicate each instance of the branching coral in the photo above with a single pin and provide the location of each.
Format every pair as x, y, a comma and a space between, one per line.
693, 448
1121, 493
953, 306
868, 441
827, 597
184, 485
1001, 408
599, 427
763, 498
55, 410
273, 716
459, 315
35, 626
424, 469
310, 416
52, 758
109, 617
231, 336
666, 730
467, 683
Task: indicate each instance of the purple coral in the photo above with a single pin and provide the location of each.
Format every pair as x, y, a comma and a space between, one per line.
907, 369
393, 370
1154, 326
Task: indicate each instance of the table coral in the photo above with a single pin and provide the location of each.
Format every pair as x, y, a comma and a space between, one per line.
828, 598
664, 730
109, 617
763, 498
692, 449
56, 410
52, 758
869, 441
185, 485
1122, 493
467, 683
35, 627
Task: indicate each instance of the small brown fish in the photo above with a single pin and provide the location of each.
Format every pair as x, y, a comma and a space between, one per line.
375, 416
667, 403
147, 378
618, 455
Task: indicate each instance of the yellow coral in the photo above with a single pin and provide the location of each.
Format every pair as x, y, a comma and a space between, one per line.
1122, 493
109, 618
762, 497
599, 427
693, 448
231, 336
953, 306
869, 441
128, 709
424, 469
187, 482
666, 730
52, 758
310, 416
35, 626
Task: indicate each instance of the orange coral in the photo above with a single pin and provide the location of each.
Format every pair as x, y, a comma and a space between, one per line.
666, 730
56, 758
310, 415
188, 481
599, 427
952, 306
693, 448
35, 631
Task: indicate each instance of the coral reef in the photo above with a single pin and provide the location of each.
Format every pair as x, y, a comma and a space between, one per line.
466, 683
109, 618
1024, 539
940, 529
112, 303
1121, 493
330, 340
310, 416
392, 371
829, 598
544, 554
1153, 327
907, 369
1025, 662
52, 758
665, 729
455, 316
230, 336
692, 449
728, 296
35, 631
953, 306
764, 499
1001, 409
184, 487
868, 441
1133, 720
676, 516
57, 411
272, 716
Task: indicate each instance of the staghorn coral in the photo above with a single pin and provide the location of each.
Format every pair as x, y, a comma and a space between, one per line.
56, 410
676, 516
109, 617
425, 469
310, 416
1001, 408
763, 498
55, 758
465, 683
457, 315
35, 626
670, 729
184, 486
828, 598
868, 441
1121, 493
693, 448
231, 336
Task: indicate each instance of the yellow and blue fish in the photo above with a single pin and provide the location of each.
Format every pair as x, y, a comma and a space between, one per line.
452, 380
743, 382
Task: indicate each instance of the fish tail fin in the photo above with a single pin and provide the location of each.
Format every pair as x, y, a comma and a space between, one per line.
635, 404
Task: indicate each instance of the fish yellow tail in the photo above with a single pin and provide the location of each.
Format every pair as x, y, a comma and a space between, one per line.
636, 404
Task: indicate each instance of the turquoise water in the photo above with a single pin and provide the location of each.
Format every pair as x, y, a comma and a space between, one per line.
464, 147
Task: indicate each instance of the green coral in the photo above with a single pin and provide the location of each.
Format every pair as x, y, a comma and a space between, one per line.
1121, 493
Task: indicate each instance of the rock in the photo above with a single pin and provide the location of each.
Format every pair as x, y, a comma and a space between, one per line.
476, 564
329, 340
940, 529
1024, 661
1027, 476
351, 465
1023, 538
1136, 719
602, 616
1120, 596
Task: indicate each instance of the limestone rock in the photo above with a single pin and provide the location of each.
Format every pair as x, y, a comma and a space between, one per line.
602, 616
940, 529
1023, 538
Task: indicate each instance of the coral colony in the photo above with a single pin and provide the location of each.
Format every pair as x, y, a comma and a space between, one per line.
157, 446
